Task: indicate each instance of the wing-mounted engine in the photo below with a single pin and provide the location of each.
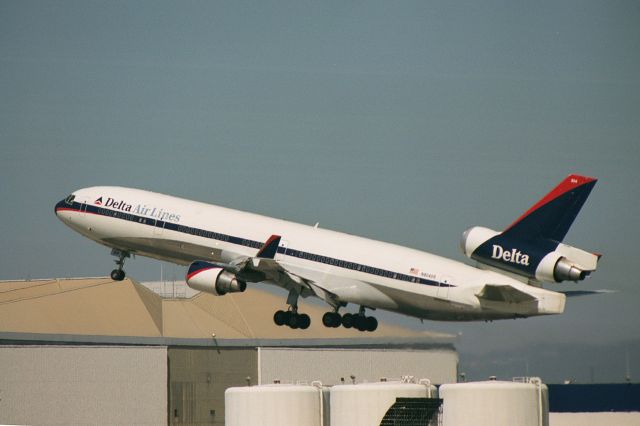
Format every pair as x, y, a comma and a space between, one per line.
540, 260
214, 279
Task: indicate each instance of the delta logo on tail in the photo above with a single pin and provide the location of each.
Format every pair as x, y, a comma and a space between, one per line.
513, 255
532, 245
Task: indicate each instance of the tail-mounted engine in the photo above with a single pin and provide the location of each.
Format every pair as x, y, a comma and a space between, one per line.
540, 260
211, 278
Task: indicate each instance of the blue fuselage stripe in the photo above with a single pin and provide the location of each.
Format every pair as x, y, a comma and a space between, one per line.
312, 257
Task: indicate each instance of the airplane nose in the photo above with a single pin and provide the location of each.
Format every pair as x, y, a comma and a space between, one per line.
59, 206
63, 205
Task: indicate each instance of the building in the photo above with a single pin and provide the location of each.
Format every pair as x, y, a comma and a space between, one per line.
99, 351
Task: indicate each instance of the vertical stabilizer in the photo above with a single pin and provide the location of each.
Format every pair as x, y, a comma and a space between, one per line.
552, 216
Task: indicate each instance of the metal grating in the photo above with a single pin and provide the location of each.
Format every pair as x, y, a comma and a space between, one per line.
414, 412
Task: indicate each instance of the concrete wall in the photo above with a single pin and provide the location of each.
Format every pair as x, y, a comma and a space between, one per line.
198, 378
290, 365
154, 385
53, 385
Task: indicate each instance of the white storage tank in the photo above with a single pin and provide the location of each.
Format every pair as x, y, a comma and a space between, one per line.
365, 404
277, 405
523, 402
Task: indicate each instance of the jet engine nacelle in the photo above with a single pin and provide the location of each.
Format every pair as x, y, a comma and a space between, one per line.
472, 238
211, 278
541, 260
566, 263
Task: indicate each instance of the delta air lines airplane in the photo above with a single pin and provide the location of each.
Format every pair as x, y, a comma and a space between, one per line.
226, 249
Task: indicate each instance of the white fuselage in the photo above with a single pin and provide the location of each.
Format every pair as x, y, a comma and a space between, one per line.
361, 271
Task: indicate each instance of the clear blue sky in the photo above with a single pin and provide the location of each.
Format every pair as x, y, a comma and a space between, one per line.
401, 121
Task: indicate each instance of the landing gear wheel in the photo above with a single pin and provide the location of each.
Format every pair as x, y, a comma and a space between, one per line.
347, 320
331, 319
280, 318
117, 275
293, 320
371, 323
360, 323
304, 321
326, 319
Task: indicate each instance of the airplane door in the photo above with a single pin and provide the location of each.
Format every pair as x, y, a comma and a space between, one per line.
158, 228
83, 208
443, 289
284, 244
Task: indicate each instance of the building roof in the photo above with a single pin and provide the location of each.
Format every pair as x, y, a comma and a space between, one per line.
104, 311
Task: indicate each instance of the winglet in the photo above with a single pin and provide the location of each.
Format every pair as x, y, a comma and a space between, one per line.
270, 248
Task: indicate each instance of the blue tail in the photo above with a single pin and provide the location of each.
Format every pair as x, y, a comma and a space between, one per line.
552, 216
532, 247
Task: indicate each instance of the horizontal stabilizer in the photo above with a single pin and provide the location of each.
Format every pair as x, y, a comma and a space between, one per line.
578, 293
504, 293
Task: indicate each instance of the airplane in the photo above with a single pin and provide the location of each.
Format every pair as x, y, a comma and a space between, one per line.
225, 249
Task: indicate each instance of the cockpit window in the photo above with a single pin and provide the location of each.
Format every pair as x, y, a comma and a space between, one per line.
69, 199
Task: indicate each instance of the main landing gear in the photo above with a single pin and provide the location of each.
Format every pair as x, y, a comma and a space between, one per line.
358, 321
291, 317
118, 274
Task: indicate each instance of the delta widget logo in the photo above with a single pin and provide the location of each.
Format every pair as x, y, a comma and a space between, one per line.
98, 202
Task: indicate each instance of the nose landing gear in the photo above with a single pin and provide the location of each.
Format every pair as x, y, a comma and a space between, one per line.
118, 274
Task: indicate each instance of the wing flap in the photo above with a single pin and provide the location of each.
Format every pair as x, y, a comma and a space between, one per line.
274, 272
264, 267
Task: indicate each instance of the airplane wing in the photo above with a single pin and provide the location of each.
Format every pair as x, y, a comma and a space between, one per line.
264, 267
504, 293
273, 271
